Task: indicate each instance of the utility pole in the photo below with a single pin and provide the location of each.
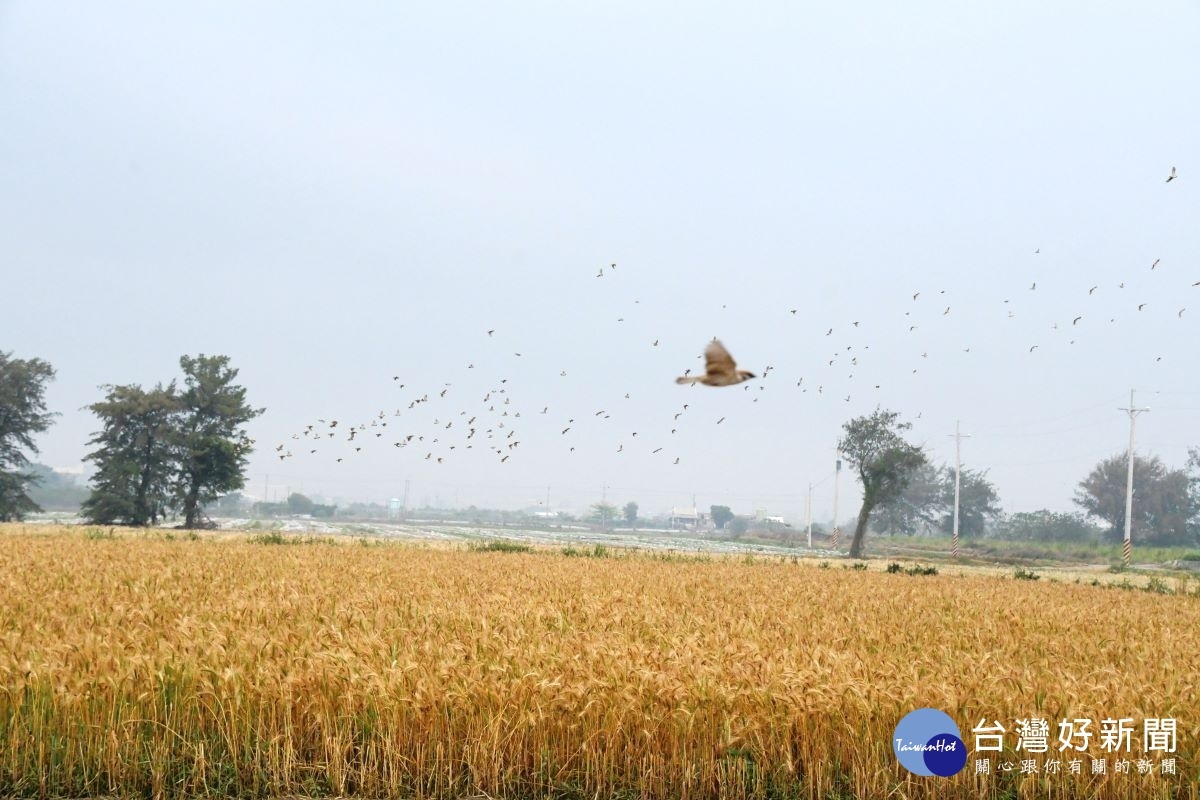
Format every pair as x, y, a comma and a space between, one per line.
808, 515
1127, 547
404, 507
837, 529
958, 437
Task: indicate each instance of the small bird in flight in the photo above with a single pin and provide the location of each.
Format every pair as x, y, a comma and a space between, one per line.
719, 368
1155, 264
1172, 176
1094, 288
1141, 306
1076, 320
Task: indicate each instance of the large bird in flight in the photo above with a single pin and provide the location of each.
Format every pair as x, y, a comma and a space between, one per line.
719, 368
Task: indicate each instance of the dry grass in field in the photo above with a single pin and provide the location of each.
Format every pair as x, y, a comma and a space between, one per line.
137, 665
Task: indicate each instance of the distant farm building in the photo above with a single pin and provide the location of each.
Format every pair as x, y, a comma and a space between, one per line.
688, 519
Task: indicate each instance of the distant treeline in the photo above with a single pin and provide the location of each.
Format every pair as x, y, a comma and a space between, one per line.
56, 491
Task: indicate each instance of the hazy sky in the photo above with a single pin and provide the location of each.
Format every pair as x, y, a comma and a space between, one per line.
336, 194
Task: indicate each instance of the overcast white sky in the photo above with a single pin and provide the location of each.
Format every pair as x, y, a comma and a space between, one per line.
336, 194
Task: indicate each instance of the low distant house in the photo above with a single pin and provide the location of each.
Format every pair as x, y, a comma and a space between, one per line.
687, 519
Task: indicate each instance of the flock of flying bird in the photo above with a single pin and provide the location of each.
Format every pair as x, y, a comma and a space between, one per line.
492, 422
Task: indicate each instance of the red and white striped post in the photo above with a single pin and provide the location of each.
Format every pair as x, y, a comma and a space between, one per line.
837, 529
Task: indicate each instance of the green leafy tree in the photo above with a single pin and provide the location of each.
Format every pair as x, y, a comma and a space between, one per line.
1165, 503
884, 460
721, 516
918, 508
1046, 526
22, 414
978, 503
631, 513
136, 455
55, 491
266, 509
738, 526
1193, 474
227, 505
213, 444
603, 513
300, 504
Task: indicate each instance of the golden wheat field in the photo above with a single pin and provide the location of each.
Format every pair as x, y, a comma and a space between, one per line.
144, 666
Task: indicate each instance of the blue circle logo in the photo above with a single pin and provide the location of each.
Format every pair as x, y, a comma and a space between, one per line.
927, 742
